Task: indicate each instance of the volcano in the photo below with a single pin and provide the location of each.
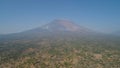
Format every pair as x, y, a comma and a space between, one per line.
61, 26
54, 28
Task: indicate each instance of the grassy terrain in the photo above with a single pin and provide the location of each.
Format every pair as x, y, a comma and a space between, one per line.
60, 53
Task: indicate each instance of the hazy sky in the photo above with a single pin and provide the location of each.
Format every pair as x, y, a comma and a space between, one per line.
20, 15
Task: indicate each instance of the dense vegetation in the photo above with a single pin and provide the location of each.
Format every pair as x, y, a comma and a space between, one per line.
60, 53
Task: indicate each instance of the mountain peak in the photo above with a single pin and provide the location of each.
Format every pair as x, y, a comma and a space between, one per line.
62, 25
61, 21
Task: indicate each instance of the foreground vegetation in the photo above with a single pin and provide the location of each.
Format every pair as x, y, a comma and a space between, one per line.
60, 53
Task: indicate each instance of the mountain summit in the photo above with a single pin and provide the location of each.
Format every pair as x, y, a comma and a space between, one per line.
63, 25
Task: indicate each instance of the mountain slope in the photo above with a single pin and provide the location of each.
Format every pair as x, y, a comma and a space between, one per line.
61, 26
54, 28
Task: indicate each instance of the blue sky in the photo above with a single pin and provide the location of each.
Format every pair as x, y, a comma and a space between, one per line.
20, 15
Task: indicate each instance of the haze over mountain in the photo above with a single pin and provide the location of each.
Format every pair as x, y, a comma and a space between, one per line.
56, 27
62, 26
